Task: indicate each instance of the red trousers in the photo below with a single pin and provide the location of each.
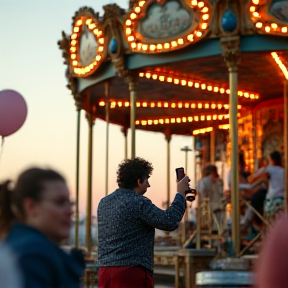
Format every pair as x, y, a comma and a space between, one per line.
125, 277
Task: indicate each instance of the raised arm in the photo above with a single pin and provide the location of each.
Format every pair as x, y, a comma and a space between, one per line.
258, 177
167, 220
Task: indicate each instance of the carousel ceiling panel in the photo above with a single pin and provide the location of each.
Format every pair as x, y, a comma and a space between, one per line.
256, 73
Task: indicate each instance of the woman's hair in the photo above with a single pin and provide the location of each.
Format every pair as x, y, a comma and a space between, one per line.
129, 171
30, 184
276, 158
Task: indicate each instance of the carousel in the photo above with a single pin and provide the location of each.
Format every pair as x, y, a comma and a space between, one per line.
217, 70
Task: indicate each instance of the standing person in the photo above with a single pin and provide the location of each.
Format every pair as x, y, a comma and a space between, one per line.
211, 186
126, 224
35, 219
258, 196
275, 173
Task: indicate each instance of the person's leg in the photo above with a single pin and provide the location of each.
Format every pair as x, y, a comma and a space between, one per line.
247, 218
124, 277
257, 201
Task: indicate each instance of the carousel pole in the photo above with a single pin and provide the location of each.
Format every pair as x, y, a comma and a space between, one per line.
231, 53
133, 86
286, 144
77, 177
186, 149
168, 140
255, 148
197, 200
124, 130
212, 146
107, 116
91, 122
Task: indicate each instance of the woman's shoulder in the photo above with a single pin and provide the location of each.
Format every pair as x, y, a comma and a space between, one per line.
9, 272
26, 241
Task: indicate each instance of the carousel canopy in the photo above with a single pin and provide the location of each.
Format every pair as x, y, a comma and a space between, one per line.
171, 52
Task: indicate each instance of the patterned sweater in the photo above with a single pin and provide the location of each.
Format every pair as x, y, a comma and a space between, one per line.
126, 227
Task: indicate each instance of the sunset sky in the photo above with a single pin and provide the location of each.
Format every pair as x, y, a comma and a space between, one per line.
31, 63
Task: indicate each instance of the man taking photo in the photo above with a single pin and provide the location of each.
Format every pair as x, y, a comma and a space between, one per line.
126, 227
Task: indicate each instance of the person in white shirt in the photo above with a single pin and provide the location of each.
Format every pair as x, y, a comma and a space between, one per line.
274, 197
211, 187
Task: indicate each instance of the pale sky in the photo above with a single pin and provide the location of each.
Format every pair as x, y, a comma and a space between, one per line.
31, 63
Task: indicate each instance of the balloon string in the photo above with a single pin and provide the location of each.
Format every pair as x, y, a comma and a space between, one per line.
2, 147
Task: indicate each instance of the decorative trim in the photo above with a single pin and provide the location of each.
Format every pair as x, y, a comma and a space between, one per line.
200, 105
85, 19
184, 81
179, 120
231, 51
263, 20
281, 65
138, 43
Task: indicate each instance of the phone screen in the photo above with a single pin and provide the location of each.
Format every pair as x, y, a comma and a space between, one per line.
180, 173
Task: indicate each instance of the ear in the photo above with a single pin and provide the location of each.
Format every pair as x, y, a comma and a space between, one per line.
29, 207
139, 182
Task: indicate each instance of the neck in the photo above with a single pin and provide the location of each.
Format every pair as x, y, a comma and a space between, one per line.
136, 190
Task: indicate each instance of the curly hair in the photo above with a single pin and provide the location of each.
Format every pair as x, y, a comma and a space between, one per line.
130, 170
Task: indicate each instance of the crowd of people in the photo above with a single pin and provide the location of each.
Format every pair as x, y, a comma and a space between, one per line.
35, 219
261, 194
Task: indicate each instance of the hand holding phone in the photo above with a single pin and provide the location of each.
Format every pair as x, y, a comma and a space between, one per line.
183, 187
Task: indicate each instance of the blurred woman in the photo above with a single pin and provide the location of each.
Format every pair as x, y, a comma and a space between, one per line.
9, 272
35, 217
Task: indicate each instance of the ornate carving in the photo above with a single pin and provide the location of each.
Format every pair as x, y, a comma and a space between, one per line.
164, 25
91, 118
119, 65
124, 130
73, 86
231, 51
112, 11
241, 10
114, 30
132, 3
168, 136
64, 45
85, 11
133, 80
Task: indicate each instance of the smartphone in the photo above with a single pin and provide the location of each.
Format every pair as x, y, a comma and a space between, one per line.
190, 193
180, 173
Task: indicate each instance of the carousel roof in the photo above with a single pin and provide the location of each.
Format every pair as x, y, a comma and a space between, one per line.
173, 50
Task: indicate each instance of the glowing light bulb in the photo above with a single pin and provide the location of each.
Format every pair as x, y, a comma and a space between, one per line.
259, 25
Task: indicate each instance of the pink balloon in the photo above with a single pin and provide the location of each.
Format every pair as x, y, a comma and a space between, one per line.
13, 112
